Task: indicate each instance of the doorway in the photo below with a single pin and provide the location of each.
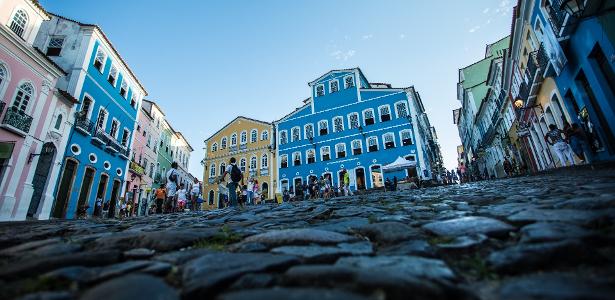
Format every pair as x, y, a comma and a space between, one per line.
298, 185
360, 178
340, 178
100, 193
210, 198
376, 173
86, 186
114, 194
64, 190
41, 174
265, 191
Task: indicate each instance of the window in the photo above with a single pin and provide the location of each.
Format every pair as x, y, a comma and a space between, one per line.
212, 170
253, 163
243, 138
242, 164
283, 137
22, 98
222, 168
401, 109
295, 134
114, 127
124, 90
368, 117
264, 161
309, 131
3, 74
357, 148
18, 24
58, 122
320, 90
323, 127
389, 140
385, 113
372, 144
334, 86
112, 78
406, 137
311, 156
325, 153
264, 135
353, 120
253, 135
284, 161
125, 136
223, 143
214, 147
99, 61
338, 124
149, 141
340, 150
55, 46
133, 102
296, 158
348, 81
233, 139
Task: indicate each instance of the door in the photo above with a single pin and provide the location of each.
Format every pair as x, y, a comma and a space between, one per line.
210, 198
41, 175
114, 195
360, 178
86, 187
100, 192
265, 191
64, 190
376, 176
297, 185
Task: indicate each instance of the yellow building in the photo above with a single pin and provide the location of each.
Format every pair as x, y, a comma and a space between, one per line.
251, 143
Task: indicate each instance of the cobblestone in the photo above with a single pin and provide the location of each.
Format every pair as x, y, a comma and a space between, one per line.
549, 236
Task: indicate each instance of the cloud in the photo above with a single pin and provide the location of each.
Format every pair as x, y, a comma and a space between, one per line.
486, 10
473, 29
368, 36
402, 36
347, 37
341, 55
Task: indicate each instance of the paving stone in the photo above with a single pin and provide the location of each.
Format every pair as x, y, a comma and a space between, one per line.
21, 248
602, 202
253, 281
159, 240
126, 288
463, 242
48, 295
203, 275
552, 231
555, 286
469, 225
405, 266
182, 257
413, 247
298, 237
388, 232
554, 215
326, 253
342, 225
291, 294
139, 253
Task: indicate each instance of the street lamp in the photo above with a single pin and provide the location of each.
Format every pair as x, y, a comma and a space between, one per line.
573, 7
519, 103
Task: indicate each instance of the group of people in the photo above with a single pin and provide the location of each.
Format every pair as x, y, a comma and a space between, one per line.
174, 197
318, 187
235, 192
565, 143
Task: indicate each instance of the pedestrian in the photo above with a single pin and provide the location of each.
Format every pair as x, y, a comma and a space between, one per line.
563, 151
250, 191
255, 191
236, 177
98, 206
395, 183
172, 185
508, 169
194, 195
347, 191
181, 197
578, 142
285, 196
161, 195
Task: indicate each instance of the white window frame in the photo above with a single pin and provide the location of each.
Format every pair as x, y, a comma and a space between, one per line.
127, 131
341, 122
264, 135
307, 156
373, 115
243, 134
282, 157
214, 147
380, 112
264, 161
331, 86
253, 135
326, 122
118, 127
103, 56
255, 160
300, 158
212, 170
122, 85
322, 152
397, 111
283, 133
384, 141
24, 27
4, 80
353, 83
223, 143
115, 77
231, 139
305, 132
377, 143
243, 162
350, 122
31, 99
91, 110
316, 90
292, 134
345, 150
401, 137
104, 125
360, 146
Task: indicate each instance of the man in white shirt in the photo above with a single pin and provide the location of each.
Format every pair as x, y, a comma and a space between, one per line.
172, 179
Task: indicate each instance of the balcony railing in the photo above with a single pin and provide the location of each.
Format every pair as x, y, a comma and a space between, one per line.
123, 152
136, 168
524, 91
17, 120
2, 105
560, 20
100, 136
84, 125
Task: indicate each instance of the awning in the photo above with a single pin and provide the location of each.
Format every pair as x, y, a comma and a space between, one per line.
399, 164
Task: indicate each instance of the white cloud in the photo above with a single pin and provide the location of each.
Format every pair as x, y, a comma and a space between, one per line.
473, 29
486, 10
368, 36
341, 55
402, 36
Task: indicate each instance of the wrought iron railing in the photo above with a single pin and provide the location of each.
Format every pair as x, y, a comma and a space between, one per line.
524, 91
136, 168
2, 105
84, 124
560, 20
17, 119
542, 58
123, 152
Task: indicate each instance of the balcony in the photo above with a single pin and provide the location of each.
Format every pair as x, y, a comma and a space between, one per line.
211, 180
113, 145
100, 137
253, 173
561, 22
136, 168
123, 152
84, 125
265, 172
17, 121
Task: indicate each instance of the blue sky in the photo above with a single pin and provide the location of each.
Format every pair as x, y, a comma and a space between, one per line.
205, 62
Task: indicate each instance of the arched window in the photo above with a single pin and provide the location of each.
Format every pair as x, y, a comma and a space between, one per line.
368, 117
323, 127
19, 22
353, 120
401, 109
264, 135
22, 98
222, 168
3, 74
295, 134
212, 170
309, 130
244, 137
253, 135
58, 122
284, 161
242, 164
338, 124
283, 137
253, 163
389, 140
234, 139
264, 161
223, 143
311, 156
296, 158
340, 150
357, 148
385, 113
406, 137
214, 147
372, 144
325, 153
99, 63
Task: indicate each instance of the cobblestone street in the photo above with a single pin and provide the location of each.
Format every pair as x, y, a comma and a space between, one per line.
539, 237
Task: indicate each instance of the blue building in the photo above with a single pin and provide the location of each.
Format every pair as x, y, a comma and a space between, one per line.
350, 123
98, 150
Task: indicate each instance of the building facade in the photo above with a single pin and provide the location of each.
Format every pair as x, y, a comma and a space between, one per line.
251, 143
142, 162
35, 115
181, 151
350, 123
96, 160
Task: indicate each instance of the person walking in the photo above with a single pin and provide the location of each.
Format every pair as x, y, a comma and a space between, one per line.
161, 195
563, 151
236, 178
347, 191
172, 185
195, 192
250, 191
181, 197
578, 142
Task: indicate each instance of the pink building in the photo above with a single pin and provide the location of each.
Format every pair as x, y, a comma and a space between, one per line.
35, 117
